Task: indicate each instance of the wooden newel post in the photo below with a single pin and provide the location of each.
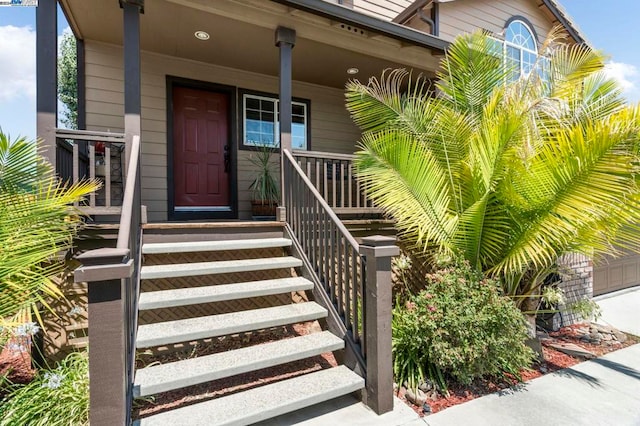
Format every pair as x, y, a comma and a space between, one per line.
106, 271
378, 251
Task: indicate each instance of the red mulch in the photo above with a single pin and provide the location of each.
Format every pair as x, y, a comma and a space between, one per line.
553, 361
15, 361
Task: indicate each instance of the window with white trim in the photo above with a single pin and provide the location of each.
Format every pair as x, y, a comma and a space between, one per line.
520, 47
261, 122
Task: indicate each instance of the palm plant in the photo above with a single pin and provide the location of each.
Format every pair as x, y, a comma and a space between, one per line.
265, 187
37, 224
509, 173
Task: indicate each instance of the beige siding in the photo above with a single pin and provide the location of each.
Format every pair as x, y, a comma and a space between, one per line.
462, 16
383, 9
331, 127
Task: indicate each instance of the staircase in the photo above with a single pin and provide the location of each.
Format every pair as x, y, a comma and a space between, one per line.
244, 275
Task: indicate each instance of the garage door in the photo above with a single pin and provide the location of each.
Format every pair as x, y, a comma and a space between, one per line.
616, 274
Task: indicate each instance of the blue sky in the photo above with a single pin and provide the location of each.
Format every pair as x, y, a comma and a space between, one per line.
609, 26
17, 56
612, 26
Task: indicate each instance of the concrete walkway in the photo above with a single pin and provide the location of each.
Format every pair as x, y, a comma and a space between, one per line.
621, 310
604, 391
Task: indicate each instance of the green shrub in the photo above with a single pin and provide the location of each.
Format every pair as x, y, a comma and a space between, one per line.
58, 397
460, 327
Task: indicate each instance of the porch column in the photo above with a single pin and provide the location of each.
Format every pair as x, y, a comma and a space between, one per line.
47, 77
132, 91
285, 40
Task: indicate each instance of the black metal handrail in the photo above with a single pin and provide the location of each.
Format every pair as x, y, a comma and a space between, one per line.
332, 251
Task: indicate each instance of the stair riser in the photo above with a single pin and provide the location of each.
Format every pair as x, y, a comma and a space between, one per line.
230, 232
213, 246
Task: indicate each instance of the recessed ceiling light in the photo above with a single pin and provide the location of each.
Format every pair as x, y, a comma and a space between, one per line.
353, 71
202, 35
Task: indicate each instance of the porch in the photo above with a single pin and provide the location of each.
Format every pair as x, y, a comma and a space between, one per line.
239, 65
128, 100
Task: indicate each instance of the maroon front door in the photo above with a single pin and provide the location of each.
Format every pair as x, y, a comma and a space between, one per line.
201, 149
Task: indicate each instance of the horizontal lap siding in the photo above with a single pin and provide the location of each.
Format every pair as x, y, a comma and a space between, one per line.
464, 16
331, 128
383, 9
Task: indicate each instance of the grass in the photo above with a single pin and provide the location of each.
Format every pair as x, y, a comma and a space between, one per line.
57, 397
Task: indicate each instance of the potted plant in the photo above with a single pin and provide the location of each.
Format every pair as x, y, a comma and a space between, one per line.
266, 190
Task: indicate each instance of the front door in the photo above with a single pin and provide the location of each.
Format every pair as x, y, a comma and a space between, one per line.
201, 152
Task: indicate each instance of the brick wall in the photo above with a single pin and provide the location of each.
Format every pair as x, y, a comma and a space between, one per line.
576, 272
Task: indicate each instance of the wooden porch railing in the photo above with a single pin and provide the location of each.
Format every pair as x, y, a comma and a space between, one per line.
113, 277
95, 155
353, 281
332, 175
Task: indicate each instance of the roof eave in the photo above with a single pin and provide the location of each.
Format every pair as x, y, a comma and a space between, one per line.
369, 23
566, 23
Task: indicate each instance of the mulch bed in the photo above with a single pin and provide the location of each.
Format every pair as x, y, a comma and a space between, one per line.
554, 360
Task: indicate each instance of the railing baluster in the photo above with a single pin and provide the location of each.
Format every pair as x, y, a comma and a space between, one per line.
92, 170
325, 187
349, 183
318, 174
339, 281
332, 261
342, 176
107, 175
363, 306
334, 202
76, 165
354, 294
316, 239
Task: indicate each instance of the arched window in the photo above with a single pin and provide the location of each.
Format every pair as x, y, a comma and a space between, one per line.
521, 48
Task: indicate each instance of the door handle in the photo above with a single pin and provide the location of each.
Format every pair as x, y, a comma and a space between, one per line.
227, 159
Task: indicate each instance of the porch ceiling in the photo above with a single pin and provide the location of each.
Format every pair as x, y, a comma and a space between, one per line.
242, 36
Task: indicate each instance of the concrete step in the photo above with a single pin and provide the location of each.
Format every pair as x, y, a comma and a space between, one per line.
211, 231
264, 402
220, 267
222, 292
166, 377
221, 245
186, 330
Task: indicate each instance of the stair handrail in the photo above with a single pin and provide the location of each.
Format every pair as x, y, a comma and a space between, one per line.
113, 278
131, 203
355, 280
323, 203
313, 222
